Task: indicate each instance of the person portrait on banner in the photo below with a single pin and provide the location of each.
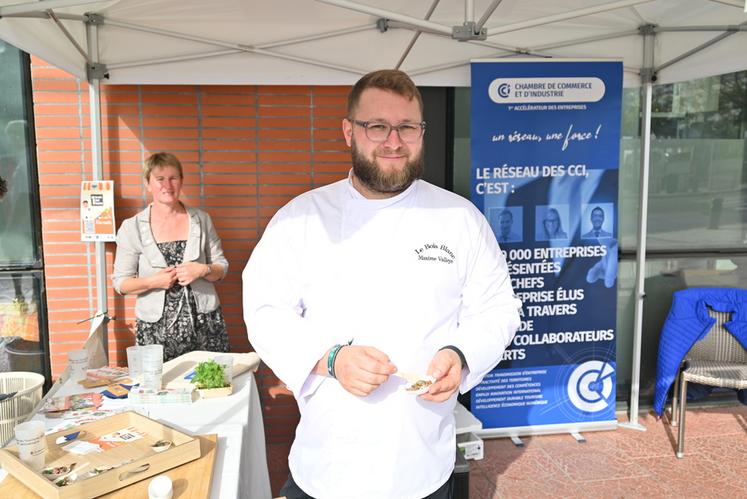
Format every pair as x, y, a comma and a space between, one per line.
170, 256
357, 283
505, 232
553, 226
597, 220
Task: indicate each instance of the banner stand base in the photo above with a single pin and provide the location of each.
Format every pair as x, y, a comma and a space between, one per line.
579, 438
549, 429
632, 426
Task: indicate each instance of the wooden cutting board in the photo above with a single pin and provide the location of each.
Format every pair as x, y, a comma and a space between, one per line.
191, 480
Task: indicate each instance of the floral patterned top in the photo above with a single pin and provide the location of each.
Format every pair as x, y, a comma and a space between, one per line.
181, 328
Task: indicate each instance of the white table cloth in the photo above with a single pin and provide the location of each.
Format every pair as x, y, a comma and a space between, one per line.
241, 464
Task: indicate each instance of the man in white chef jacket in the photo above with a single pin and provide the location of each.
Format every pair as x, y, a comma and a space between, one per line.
359, 288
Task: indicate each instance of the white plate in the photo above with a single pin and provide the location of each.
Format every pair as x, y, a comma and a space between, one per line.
413, 378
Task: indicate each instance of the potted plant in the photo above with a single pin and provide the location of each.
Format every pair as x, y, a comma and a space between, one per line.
210, 379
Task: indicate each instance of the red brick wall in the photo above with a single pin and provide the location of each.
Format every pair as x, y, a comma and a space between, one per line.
246, 151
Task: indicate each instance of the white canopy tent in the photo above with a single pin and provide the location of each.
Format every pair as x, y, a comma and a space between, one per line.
334, 42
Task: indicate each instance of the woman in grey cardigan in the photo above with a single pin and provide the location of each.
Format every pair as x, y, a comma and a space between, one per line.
169, 255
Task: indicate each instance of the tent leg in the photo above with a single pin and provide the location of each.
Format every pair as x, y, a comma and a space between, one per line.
647, 77
97, 173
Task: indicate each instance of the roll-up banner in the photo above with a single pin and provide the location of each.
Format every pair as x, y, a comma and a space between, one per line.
545, 153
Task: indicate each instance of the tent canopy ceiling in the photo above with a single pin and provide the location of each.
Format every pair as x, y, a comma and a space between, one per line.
336, 41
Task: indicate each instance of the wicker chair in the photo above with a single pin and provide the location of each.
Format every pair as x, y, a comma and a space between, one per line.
716, 360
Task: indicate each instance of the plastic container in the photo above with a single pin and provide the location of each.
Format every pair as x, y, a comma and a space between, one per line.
152, 364
160, 488
31, 444
470, 445
135, 363
13, 410
77, 362
226, 361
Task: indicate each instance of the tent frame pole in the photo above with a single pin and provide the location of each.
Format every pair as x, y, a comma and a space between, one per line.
486, 15
414, 22
218, 43
416, 35
537, 51
41, 5
469, 11
97, 167
727, 33
564, 16
311, 38
648, 76
53, 16
498, 46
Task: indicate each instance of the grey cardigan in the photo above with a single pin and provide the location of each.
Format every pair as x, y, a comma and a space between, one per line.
138, 256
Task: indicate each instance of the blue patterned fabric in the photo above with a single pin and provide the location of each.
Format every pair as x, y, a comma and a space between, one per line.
688, 322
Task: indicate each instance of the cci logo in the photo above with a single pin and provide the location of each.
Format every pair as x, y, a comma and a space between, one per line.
546, 89
590, 386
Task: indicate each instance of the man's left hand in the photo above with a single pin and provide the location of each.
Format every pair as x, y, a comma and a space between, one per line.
446, 368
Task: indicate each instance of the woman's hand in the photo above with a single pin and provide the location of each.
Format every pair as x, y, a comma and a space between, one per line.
163, 279
188, 272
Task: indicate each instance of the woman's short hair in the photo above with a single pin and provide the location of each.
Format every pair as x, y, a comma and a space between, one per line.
160, 160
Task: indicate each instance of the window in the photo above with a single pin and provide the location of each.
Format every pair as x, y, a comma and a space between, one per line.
21, 345
19, 245
697, 184
23, 340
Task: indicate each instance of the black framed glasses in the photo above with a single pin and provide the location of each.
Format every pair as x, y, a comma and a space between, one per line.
378, 131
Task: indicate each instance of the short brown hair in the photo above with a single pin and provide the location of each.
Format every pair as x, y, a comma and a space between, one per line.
392, 80
159, 160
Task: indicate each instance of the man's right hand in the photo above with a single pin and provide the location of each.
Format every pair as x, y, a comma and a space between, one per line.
361, 370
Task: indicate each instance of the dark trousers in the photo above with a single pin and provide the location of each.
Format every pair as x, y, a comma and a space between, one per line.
292, 491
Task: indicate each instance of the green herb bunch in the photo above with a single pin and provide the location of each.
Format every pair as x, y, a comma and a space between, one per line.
209, 374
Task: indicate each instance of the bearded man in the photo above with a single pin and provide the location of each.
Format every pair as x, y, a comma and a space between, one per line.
358, 283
